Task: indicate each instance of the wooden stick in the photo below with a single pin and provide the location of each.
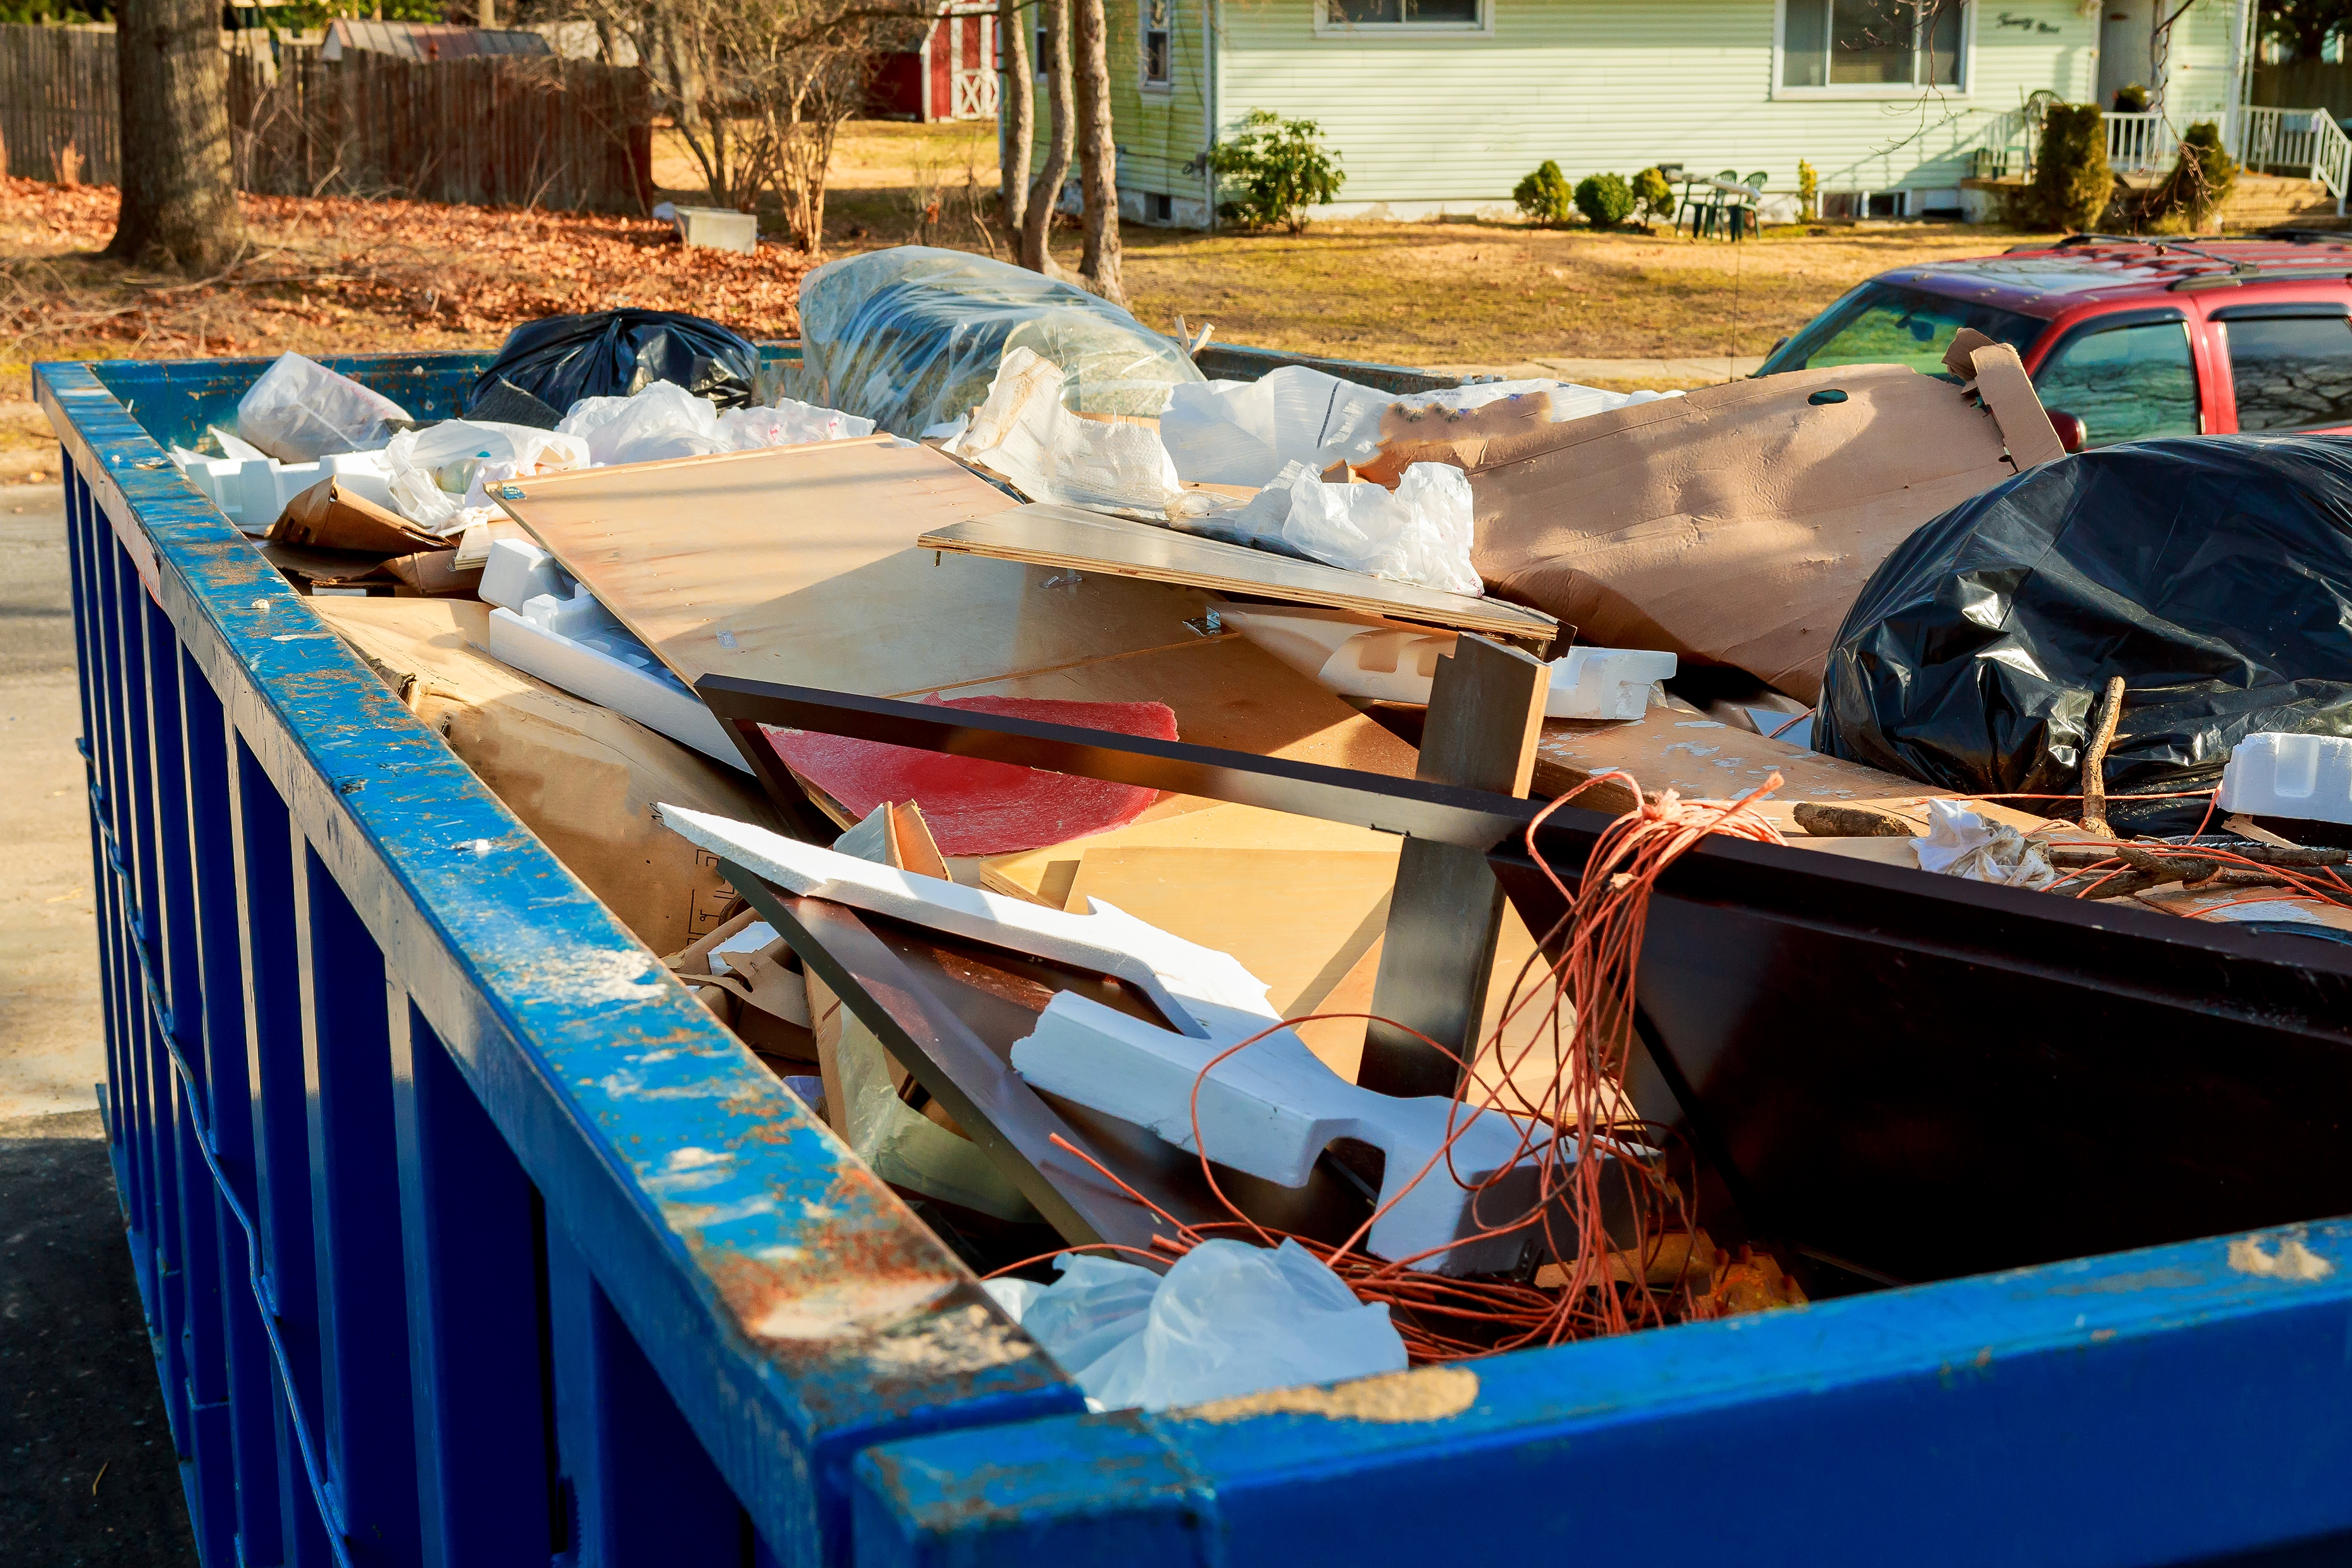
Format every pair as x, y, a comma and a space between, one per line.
2095, 758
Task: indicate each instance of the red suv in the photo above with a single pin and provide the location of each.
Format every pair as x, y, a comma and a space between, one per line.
2133, 338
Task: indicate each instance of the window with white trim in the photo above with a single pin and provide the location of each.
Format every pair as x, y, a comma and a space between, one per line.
1444, 13
1158, 34
1872, 44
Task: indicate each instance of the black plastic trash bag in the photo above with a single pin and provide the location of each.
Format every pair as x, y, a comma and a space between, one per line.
2213, 574
616, 354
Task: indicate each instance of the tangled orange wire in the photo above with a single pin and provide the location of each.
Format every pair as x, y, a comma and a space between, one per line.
1577, 1126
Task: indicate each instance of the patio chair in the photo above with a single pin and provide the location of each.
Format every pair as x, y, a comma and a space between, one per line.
1747, 211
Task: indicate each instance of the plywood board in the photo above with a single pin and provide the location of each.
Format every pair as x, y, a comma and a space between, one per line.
1703, 759
798, 565
1068, 537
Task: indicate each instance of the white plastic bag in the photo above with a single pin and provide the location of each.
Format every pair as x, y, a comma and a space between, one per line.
441, 470
1960, 843
1228, 1319
300, 411
1024, 437
788, 423
1418, 534
664, 420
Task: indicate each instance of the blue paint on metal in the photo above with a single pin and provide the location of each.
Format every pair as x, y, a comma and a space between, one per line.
2161, 1406
361, 893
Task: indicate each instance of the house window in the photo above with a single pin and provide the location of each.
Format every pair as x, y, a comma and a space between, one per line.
1873, 44
1159, 43
1457, 13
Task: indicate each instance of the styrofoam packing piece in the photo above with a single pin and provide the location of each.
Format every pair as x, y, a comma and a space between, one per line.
1188, 983
2276, 773
757, 937
1262, 1110
1395, 662
1271, 1108
1024, 436
519, 571
592, 657
252, 492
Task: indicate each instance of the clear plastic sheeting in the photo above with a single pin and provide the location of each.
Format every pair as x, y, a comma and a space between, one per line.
665, 420
1420, 533
911, 337
299, 411
1025, 436
438, 473
1227, 1319
1244, 432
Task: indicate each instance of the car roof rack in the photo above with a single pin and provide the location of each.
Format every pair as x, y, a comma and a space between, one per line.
2241, 269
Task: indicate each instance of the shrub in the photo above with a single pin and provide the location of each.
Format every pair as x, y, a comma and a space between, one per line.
1605, 200
2072, 185
1653, 196
2130, 100
1809, 190
1274, 169
1544, 194
2198, 183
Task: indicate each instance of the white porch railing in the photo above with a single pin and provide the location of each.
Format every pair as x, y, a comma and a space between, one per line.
2140, 143
2306, 140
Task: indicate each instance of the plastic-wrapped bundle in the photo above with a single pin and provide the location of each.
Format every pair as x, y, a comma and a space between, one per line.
1024, 436
911, 337
299, 411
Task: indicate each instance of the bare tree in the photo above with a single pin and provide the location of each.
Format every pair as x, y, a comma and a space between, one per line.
1045, 190
179, 198
1016, 113
812, 90
1098, 267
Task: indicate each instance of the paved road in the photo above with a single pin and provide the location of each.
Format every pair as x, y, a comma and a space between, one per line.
87, 1468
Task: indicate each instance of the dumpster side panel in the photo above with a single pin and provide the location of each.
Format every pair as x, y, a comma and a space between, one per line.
2173, 1405
421, 1155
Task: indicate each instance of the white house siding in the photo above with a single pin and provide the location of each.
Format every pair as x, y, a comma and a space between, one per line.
1427, 122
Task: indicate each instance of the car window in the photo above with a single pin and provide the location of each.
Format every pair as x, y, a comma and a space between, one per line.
1884, 323
2291, 373
2125, 384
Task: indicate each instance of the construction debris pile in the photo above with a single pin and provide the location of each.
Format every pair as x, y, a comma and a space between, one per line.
1146, 1055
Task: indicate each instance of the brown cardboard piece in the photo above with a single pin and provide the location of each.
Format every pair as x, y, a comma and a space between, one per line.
328, 517
582, 777
1733, 525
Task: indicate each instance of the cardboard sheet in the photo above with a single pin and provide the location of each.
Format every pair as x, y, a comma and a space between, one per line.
1090, 542
582, 778
1735, 525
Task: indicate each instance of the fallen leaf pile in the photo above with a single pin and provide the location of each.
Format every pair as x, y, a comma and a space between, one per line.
332, 275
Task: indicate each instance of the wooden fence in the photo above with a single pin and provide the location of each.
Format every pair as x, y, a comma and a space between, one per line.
497, 131
2306, 84
56, 91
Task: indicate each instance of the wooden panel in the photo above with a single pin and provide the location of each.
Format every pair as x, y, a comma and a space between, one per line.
798, 565
1702, 759
1087, 542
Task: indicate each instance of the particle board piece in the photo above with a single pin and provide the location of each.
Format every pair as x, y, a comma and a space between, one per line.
798, 565
1086, 541
1670, 748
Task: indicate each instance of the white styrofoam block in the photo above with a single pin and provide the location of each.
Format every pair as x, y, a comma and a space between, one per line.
252, 492
1211, 986
1271, 1108
2277, 775
518, 571
1395, 662
614, 669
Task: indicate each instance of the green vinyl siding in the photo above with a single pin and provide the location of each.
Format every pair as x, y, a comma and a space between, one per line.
1157, 130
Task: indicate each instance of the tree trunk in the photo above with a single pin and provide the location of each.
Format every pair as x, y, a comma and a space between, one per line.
1016, 113
1046, 191
179, 196
1097, 156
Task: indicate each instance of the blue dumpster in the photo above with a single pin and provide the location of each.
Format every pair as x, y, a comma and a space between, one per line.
465, 1236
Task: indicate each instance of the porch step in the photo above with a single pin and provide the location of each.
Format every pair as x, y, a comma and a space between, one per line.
2264, 201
